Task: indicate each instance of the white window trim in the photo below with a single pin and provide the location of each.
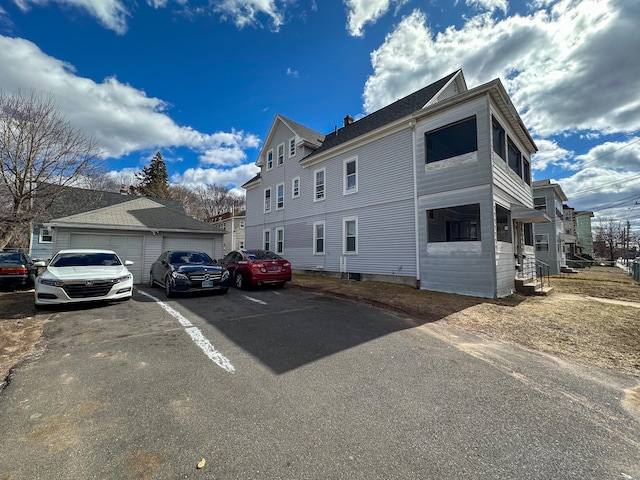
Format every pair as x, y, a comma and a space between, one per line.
270, 152
315, 238
292, 139
50, 234
278, 162
278, 250
543, 237
264, 200
293, 188
279, 207
344, 175
266, 233
344, 235
315, 184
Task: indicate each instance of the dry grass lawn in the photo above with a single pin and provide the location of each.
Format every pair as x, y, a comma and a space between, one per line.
570, 322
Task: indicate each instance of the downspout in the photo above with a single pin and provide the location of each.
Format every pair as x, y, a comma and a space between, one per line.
415, 201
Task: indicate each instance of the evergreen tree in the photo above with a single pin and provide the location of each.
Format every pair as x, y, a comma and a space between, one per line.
153, 179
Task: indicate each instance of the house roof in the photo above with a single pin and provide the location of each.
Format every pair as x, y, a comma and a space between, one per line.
306, 134
557, 189
72, 200
398, 109
138, 214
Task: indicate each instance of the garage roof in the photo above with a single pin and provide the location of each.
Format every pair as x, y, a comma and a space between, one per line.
140, 214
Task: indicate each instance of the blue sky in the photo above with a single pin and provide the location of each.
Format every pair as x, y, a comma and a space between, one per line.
202, 81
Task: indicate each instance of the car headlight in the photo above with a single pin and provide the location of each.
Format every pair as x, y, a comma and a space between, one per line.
225, 275
180, 276
52, 282
122, 279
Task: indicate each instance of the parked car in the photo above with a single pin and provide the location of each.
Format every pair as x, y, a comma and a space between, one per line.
250, 268
17, 269
184, 271
83, 275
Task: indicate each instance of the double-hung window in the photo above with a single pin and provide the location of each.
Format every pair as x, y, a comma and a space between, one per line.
45, 235
295, 187
269, 159
280, 240
280, 154
542, 242
319, 185
266, 239
267, 200
351, 175
292, 147
280, 196
318, 238
350, 235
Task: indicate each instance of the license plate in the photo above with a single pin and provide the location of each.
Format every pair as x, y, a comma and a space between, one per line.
273, 268
207, 283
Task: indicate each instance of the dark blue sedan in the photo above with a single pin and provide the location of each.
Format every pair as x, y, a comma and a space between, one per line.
184, 271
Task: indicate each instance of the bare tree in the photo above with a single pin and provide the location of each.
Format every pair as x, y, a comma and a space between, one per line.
189, 199
215, 199
609, 233
38, 147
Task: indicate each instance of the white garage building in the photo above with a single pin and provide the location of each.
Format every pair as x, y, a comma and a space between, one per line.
138, 230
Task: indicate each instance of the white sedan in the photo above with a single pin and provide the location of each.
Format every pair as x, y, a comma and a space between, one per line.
83, 275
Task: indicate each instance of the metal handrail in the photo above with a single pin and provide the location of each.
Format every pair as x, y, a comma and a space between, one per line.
544, 272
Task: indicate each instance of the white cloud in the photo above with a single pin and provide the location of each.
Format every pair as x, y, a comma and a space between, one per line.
549, 153
237, 176
361, 12
121, 118
562, 66
110, 13
246, 12
292, 73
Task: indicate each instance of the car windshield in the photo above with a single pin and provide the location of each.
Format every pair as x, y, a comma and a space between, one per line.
10, 258
85, 260
263, 255
196, 258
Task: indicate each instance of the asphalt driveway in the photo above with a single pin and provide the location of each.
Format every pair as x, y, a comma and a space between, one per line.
270, 384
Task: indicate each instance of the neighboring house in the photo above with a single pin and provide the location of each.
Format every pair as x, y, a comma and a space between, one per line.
234, 227
71, 201
138, 230
550, 238
584, 233
433, 191
571, 239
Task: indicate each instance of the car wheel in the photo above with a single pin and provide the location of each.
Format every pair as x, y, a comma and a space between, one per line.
152, 282
168, 289
239, 280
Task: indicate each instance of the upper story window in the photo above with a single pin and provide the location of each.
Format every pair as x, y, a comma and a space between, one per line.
241, 223
45, 235
498, 138
450, 141
542, 242
540, 203
269, 159
526, 171
292, 147
280, 196
280, 154
295, 187
319, 185
267, 200
515, 158
351, 175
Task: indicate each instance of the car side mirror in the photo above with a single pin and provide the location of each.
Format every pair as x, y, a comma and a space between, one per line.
128, 263
40, 264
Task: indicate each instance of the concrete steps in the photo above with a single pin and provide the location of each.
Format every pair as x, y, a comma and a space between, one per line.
529, 287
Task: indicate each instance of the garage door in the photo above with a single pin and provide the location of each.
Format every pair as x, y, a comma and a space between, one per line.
201, 244
128, 247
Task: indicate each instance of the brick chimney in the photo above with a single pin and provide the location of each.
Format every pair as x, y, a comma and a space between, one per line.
123, 190
348, 120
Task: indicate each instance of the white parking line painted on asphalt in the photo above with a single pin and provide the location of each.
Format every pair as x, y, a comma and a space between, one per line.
255, 300
196, 335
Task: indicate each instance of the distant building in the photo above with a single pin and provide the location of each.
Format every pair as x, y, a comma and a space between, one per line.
234, 225
584, 233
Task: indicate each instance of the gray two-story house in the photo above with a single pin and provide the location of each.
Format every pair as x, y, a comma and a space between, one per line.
433, 190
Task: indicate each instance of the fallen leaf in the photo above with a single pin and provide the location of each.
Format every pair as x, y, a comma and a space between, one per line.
202, 463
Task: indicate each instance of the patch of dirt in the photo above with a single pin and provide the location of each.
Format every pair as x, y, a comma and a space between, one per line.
569, 322
20, 330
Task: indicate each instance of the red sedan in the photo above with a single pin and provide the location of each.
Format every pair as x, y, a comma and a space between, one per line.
250, 268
